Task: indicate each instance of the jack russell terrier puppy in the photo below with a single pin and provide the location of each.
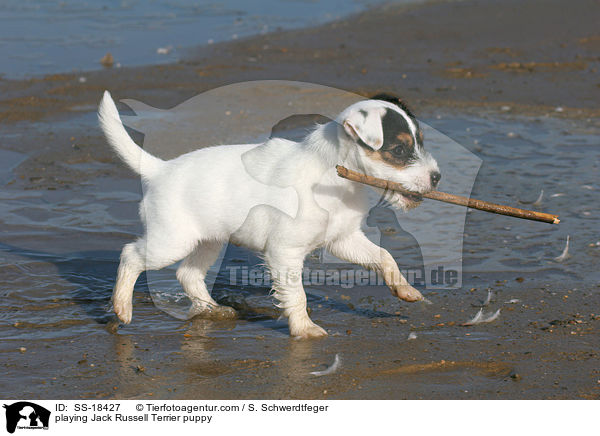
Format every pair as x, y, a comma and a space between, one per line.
280, 198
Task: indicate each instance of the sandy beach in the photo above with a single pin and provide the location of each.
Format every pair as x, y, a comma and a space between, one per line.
514, 82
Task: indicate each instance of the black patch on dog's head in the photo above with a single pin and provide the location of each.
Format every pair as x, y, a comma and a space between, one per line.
399, 148
390, 98
394, 100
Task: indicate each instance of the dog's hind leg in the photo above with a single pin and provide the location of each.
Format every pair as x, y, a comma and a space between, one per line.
147, 253
286, 275
131, 266
191, 274
358, 249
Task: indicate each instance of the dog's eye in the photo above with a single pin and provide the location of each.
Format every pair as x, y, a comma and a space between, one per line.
401, 152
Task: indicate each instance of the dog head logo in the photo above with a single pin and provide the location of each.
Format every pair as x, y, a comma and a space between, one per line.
26, 415
385, 136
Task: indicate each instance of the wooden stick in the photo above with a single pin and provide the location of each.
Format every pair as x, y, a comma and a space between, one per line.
449, 198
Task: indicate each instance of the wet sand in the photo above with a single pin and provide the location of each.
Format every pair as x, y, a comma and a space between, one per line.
524, 67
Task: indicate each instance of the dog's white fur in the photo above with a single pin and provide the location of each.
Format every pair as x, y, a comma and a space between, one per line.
280, 198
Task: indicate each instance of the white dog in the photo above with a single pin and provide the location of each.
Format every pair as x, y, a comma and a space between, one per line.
280, 198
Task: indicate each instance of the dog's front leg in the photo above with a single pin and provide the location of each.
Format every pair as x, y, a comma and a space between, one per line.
357, 248
286, 275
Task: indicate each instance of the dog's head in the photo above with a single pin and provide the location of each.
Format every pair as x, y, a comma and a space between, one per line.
389, 144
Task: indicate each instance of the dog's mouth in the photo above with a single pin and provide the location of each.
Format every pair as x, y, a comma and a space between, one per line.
413, 197
405, 200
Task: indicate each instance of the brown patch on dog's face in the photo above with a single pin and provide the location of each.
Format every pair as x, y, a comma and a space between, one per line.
399, 153
388, 157
406, 138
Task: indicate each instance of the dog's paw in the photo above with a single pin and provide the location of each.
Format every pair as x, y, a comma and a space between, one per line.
123, 310
213, 312
308, 331
407, 293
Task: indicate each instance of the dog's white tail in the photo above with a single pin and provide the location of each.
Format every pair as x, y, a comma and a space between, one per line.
135, 157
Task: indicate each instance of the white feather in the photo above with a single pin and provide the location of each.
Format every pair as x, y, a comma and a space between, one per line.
330, 370
538, 202
565, 253
489, 298
493, 317
480, 318
476, 319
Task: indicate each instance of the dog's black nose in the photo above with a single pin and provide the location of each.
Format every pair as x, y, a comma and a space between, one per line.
435, 178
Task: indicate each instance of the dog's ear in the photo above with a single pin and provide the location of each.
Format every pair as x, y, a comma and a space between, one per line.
365, 125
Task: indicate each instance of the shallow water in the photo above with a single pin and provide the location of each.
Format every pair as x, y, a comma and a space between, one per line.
41, 37
521, 157
59, 254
